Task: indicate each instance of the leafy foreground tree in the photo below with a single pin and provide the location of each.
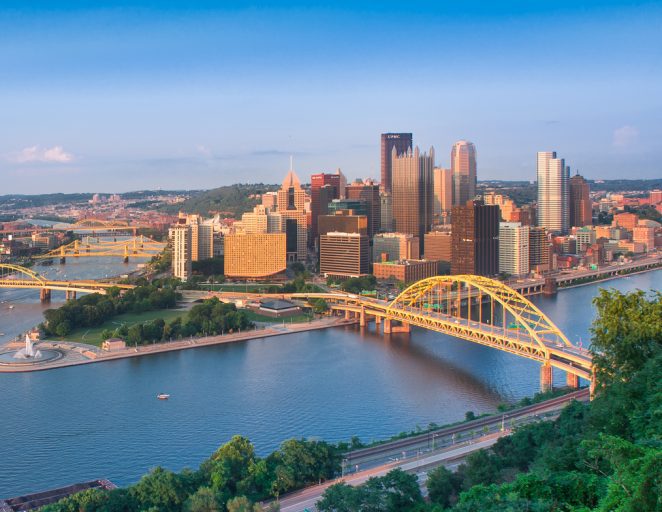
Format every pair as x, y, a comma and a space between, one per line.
397, 491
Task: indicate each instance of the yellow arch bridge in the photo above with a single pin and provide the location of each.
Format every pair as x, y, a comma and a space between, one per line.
94, 247
473, 308
14, 276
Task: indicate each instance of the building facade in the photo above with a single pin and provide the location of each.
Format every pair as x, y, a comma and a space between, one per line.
344, 255
463, 169
319, 199
367, 192
406, 271
553, 194
442, 192
255, 255
439, 246
395, 247
412, 192
401, 143
513, 248
475, 239
291, 207
581, 207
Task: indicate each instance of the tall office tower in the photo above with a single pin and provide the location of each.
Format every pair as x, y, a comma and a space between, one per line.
513, 248
553, 207
412, 192
369, 193
254, 255
581, 209
344, 254
180, 237
475, 239
270, 200
291, 206
443, 194
463, 168
320, 199
539, 250
386, 210
342, 183
401, 142
202, 238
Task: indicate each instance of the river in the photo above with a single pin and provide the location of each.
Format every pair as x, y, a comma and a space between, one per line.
103, 420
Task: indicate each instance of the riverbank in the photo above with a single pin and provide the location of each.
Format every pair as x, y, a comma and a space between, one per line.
75, 354
609, 278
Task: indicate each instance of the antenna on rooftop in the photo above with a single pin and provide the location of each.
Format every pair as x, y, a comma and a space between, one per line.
291, 164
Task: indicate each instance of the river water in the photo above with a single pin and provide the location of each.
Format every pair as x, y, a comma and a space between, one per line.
103, 420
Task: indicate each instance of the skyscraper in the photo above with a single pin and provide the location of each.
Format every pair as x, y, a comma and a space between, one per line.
369, 192
553, 200
443, 194
463, 168
475, 239
581, 210
319, 199
513, 248
401, 142
412, 192
291, 206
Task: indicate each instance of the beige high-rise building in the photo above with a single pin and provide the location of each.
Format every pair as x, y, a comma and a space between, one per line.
180, 238
553, 193
260, 220
386, 211
439, 246
411, 185
442, 190
270, 200
254, 255
292, 208
463, 167
513, 248
395, 247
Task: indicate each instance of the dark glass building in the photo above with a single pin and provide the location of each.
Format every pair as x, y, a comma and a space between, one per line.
475, 239
323, 189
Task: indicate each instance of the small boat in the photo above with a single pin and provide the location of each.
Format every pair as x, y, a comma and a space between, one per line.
11, 306
163, 396
2, 333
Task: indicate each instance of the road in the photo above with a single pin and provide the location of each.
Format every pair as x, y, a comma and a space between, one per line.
448, 446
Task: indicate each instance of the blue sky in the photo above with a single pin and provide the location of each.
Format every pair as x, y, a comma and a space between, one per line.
116, 96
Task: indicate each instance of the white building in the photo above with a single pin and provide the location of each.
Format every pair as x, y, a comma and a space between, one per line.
513, 248
180, 236
553, 192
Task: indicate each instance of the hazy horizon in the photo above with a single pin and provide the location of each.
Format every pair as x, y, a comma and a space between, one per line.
174, 95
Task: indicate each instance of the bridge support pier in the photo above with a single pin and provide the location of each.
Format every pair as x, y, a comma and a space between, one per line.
348, 314
45, 295
387, 326
572, 381
63, 260
546, 380
70, 295
362, 319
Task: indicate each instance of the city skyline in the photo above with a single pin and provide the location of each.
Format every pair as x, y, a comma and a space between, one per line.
137, 96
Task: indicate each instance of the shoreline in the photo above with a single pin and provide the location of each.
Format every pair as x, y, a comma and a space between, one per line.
79, 354
609, 278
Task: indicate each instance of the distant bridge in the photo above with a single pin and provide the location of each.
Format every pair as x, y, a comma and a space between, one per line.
473, 308
137, 247
93, 225
14, 276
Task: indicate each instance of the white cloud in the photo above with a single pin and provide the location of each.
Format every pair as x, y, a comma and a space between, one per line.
625, 137
33, 154
203, 150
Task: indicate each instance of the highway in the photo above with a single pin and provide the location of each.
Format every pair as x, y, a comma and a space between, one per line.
448, 446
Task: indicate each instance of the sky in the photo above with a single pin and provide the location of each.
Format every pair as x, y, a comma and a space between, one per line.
115, 96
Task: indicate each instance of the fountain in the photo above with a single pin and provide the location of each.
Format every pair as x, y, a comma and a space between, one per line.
28, 352
29, 355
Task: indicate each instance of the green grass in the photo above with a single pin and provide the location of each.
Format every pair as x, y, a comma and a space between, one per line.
296, 319
92, 335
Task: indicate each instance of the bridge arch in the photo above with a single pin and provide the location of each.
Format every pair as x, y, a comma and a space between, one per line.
7, 269
416, 299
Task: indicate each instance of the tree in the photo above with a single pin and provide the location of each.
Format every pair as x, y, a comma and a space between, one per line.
203, 500
626, 333
230, 464
443, 486
161, 489
339, 498
242, 504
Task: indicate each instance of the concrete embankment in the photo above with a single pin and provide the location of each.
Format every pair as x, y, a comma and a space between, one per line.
78, 353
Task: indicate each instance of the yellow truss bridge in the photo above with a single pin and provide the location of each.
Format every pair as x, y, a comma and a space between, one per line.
14, 276
91, 247
473, 308
104, 225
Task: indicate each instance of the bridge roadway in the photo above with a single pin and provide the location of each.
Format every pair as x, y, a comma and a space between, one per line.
419, 457
523, 330
14, 276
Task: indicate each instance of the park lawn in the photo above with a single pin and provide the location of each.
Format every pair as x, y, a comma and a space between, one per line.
296, 319
92, 335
